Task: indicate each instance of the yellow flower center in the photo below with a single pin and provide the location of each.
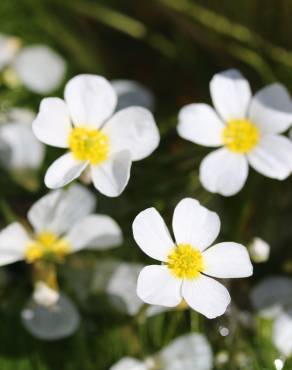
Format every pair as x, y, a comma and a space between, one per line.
89, 144
46, 245
240, 135
185, 262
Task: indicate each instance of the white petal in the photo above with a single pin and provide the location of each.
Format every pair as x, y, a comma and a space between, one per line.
40, 68
206, 295
97, 232
156, 285
112, 176
13, 241
132, 93
52, 124
152, 235
227, 260
272, 157
194, 224
129, 363
64, 170
271, 109
44, 295
25, 151
91, 100
122, 284
187, 352
282, 333
200, 124
9, 46
133, 129
224, 172
58, 210
231, 94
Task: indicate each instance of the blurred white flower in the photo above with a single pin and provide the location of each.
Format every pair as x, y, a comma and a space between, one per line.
132, 93
45, 295
38, 67
84, 123
187, 265
62, 223
188, 352
248, 129
259, 250
282, 333
271, 295
20, 150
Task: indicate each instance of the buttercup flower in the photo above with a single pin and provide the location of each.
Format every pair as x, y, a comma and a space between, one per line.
38, 67
19, 147
83, 124
246, 128
62, 223
188, 265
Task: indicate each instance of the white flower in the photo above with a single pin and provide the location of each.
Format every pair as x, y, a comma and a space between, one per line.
19, 147
188, 352
259, 250
282, 333
84, 124
62, 223
247, 128
45, 295
132, 93
38, 67
187, 265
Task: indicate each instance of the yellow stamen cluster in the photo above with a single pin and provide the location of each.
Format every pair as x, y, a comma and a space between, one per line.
185, 262
240, 135
46, 245
89, 144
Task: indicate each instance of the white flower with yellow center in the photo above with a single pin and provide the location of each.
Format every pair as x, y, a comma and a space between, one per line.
188, 264
37, 67
247, 128
84, 124
62, 223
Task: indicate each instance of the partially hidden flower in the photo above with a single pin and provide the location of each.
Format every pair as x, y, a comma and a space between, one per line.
248, 130
85, 124
20, 150
39, 68
187, 352
189, 264
62, 222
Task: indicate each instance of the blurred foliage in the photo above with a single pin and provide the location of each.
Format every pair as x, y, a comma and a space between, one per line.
173, 47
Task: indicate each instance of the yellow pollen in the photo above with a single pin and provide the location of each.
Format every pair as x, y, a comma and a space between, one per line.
185, 262
240, 135
46, 245
89, 144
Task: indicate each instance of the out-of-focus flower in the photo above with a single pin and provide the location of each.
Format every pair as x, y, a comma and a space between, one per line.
38, 67
188, 352
84, 124
20, 150
132, 93
248, 129
282, 333
62, 223
187, 265
45, 295
259, 250
271, 295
